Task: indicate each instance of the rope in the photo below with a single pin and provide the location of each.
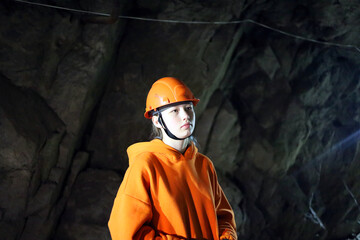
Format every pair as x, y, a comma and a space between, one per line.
197, 22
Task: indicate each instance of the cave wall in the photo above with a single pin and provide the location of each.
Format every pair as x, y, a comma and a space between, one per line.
54, 69
278, 114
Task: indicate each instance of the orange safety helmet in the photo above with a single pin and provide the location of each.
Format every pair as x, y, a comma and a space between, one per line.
165, 91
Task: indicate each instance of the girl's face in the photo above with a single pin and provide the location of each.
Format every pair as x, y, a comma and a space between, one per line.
180, 119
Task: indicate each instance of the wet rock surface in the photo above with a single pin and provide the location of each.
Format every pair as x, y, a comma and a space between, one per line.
278, 114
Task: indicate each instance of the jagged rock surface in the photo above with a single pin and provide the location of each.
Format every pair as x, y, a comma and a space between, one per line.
278, 114
53, 71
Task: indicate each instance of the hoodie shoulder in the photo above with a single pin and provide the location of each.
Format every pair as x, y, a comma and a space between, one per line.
206, 159
144, 150
137, 148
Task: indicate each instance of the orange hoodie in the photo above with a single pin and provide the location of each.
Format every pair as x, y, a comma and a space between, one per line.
169, 195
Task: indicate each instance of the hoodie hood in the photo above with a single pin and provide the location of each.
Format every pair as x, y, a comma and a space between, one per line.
158, 146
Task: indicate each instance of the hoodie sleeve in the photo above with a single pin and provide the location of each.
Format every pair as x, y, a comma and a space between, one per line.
132, 211
224, 212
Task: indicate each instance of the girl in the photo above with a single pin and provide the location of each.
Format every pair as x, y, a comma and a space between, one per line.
170, 190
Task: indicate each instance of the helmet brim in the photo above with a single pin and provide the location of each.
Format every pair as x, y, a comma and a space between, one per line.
149, 114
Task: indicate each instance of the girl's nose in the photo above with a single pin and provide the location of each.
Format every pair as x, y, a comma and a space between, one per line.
185, 115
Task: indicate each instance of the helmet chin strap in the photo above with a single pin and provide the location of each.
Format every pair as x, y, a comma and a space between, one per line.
167, 131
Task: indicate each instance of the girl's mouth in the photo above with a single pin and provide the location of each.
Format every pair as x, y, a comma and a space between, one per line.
186, 125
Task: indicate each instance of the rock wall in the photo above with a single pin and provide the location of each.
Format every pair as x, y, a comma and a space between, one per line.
278, 113
54, 69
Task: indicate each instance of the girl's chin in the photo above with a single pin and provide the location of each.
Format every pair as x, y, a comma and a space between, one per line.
187, 135
184, 134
